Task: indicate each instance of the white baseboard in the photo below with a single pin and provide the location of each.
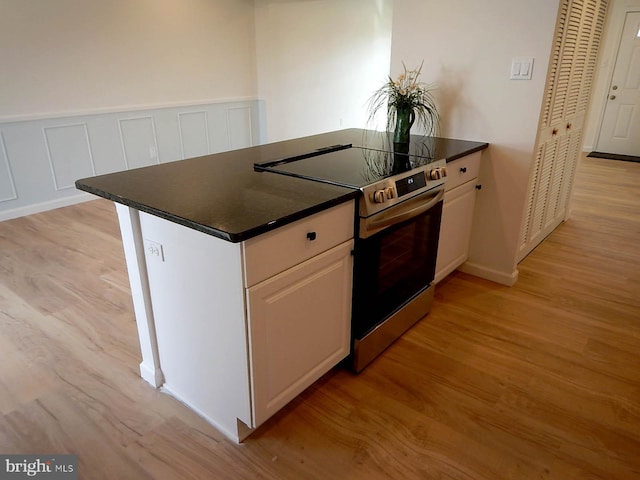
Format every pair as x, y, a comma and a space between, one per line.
44, 206
504, 278
237, 435
155, 377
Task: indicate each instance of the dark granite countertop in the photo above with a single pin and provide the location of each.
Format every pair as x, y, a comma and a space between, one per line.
222, 195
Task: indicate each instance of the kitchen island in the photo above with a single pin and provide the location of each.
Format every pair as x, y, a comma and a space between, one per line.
241, 280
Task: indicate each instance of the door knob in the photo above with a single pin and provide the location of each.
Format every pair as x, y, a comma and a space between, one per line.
615, 87
612, 97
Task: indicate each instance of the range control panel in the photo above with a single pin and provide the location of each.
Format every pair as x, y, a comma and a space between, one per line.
401, 187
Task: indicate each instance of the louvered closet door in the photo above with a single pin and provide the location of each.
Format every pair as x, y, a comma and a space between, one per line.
570, 77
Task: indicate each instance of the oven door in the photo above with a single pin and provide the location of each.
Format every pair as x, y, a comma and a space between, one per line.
394, 259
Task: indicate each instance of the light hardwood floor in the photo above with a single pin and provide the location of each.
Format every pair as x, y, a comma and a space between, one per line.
537, 381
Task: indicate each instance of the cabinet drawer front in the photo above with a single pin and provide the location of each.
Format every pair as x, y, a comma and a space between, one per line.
274, 252
462, 170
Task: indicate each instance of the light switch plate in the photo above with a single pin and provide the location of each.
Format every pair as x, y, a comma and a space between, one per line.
521, 68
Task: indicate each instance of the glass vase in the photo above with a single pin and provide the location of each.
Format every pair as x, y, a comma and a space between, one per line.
405, 116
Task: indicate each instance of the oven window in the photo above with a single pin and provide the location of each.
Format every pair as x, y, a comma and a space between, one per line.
393, 266
401, 258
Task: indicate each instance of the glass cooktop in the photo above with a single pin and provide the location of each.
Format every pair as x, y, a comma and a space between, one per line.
347, 166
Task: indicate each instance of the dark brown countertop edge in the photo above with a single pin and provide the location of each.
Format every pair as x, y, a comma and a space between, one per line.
478, 148
233, 237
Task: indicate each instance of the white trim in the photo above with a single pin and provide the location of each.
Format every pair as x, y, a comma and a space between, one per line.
153, 131
504, 278
237, 435
152, 376
3, 148
124, 150
44, 206
119, 109
50, 157
242, 107
206, 129
131, 232
155, 139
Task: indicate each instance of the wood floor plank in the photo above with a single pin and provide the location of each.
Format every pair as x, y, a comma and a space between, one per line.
61, 426
536, 381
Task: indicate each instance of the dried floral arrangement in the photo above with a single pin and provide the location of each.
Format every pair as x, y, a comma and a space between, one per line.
406, 95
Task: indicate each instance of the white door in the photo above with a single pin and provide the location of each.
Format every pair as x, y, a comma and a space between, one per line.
620, 130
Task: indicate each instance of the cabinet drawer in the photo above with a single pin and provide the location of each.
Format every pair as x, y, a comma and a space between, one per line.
274, 252
462, 170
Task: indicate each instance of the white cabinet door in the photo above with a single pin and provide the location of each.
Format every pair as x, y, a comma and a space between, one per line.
299, 328
455, 230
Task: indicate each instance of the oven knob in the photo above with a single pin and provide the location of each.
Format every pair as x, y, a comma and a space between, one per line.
437, 173
389, 193
378, 196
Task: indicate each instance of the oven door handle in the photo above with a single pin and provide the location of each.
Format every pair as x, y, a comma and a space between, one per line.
375, 226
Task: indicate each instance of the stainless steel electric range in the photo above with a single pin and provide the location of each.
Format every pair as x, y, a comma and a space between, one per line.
397, 230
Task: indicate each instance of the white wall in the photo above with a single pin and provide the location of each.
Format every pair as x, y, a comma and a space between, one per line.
606, 62
319, 61
467, 47
92, 86
81, 56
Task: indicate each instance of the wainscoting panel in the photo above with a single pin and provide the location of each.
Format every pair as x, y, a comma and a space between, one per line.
41, 158
239, 121
7, 186
194, 136
218, 124
139, 142
69, 154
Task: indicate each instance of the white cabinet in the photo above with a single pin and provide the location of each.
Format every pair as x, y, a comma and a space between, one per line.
457, 214
299, 324
299, 305
238, 330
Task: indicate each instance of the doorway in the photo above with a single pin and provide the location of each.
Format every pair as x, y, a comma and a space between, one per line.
620, 127
560, 130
